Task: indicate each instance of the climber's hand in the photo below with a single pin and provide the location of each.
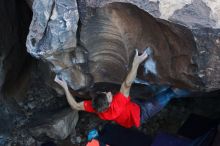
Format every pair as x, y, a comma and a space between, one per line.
61, 82
139, 58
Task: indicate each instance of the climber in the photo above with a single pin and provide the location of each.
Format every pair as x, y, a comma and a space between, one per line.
119, 108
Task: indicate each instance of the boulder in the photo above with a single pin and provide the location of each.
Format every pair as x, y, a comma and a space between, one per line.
113, 32
109, 31
52, 38
191, 13
56, 126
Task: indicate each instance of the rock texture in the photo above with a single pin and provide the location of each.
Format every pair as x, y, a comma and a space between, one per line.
208, 59
192, 13
52, 37
59, 20
114, 31
14, 62
58, 126
13, 55
109, 31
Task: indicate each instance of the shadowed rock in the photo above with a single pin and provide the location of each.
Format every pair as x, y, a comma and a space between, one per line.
58, 126
13, 55
113, 32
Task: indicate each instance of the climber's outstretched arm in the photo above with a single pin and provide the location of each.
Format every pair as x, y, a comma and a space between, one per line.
126, 85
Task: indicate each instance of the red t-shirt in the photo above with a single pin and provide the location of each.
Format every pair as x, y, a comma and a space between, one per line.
121, 110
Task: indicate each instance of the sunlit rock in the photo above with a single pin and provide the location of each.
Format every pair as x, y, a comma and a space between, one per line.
52, 38
192, 13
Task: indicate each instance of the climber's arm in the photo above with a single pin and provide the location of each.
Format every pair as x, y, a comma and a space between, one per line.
72, 102
126, 85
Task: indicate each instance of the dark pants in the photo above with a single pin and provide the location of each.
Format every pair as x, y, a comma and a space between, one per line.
154, 104
116, 135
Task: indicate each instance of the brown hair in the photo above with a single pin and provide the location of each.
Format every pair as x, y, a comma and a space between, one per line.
100, 102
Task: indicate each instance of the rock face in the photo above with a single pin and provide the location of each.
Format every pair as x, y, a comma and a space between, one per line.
13, 55
59, 19
110, 31
58, 126
52, 37
6, 123
13, 62
192, 13
208, 44
111, 43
